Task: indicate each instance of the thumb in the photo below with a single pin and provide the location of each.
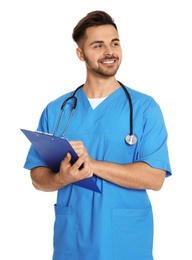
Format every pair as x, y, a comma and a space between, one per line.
66, 160
68, 157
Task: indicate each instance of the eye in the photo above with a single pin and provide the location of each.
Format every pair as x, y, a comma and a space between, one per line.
115, 44
97, 46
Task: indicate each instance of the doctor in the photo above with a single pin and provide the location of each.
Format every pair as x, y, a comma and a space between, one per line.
116, 224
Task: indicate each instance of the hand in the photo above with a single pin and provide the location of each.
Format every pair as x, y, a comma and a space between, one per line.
79, 147
81, 169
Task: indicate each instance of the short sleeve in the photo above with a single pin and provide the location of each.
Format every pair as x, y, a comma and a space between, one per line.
153, 146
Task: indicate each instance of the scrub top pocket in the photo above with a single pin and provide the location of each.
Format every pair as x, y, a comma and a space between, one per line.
63, 232
132, 231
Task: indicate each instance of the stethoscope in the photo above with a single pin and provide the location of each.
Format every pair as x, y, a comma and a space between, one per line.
129, 139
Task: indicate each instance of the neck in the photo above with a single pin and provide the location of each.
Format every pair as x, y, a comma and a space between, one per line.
100, 88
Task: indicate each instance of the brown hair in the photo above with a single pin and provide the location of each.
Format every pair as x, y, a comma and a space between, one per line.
94, 18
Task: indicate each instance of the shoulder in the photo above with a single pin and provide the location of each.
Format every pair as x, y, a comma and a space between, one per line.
141, 98
144, 103
57, 102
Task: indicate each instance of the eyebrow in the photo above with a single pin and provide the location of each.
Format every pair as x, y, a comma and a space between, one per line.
113, 40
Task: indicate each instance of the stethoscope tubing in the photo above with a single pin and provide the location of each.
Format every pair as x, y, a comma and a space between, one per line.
130, 107
130, 138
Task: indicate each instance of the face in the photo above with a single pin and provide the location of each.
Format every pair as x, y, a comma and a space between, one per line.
101, 50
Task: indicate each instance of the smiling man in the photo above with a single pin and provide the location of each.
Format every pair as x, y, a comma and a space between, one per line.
116, 224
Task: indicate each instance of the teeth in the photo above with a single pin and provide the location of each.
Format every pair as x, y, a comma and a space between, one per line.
110, 61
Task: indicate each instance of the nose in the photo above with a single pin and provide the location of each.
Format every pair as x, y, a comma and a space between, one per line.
108, 51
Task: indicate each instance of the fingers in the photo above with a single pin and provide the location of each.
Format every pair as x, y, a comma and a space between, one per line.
79, 147
79, 164
81, 169
65, 163
67, 158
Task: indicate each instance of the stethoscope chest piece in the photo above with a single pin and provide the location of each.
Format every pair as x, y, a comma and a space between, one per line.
130, 139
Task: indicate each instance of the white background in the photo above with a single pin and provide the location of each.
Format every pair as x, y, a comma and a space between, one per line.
38, 63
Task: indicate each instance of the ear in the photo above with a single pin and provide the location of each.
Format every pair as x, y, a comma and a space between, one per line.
80, 54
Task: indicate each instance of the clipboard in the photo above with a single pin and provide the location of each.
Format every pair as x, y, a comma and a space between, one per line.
53, 149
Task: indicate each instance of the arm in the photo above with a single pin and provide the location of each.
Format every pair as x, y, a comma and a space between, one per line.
137, 175
45, 179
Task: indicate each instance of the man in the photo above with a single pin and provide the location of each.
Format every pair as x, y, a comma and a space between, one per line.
116, 223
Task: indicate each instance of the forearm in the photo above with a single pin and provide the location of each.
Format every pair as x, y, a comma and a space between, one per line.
44, 179
137, 175
134, 176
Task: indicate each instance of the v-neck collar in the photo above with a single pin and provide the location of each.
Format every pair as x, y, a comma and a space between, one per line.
83, 100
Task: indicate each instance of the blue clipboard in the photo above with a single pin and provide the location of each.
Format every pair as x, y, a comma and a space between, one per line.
53, 149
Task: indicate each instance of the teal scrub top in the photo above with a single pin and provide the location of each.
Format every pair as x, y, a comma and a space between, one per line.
116, 224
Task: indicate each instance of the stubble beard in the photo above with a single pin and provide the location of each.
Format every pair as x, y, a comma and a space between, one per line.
109, 71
